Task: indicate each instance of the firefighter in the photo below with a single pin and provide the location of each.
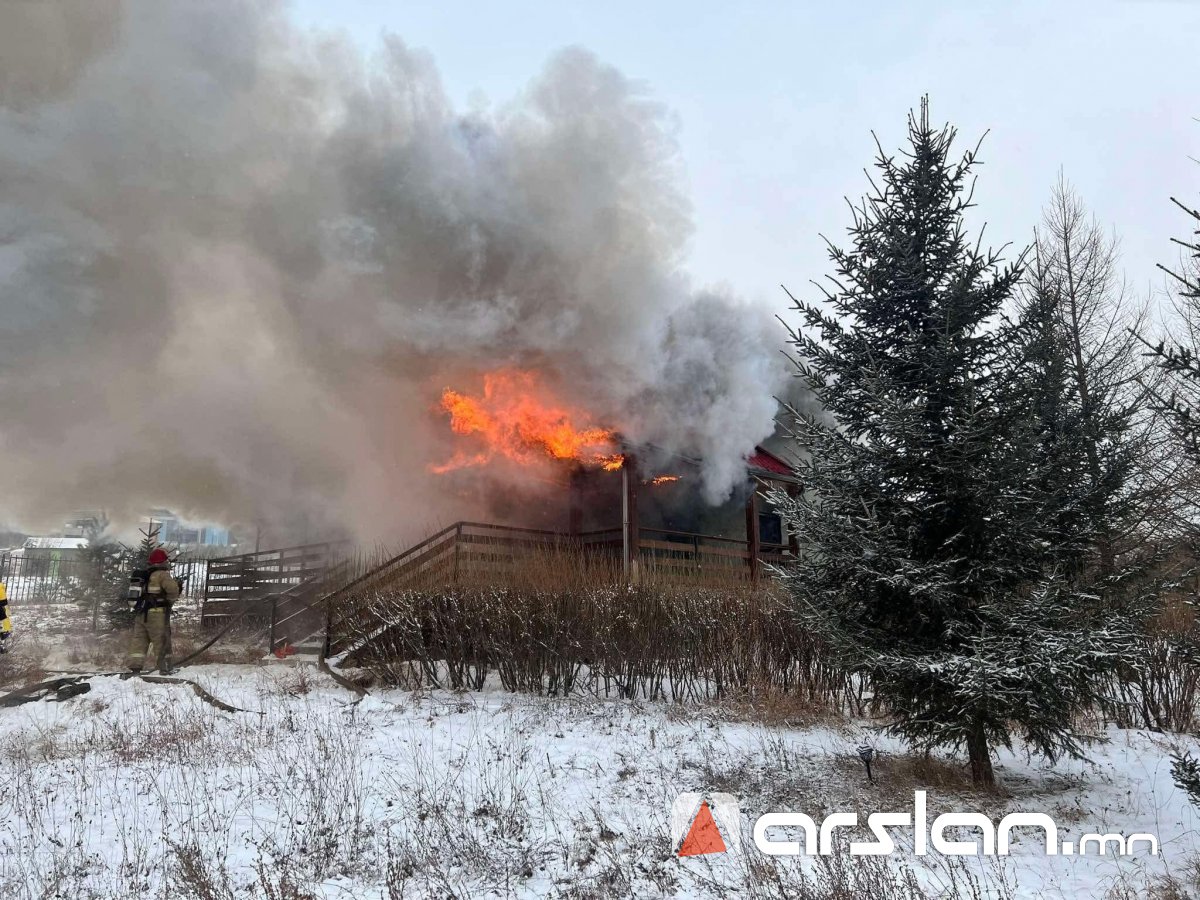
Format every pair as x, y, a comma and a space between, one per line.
5, 621
152, 614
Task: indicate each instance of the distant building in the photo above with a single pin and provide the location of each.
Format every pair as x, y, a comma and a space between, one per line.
59, 549
83, 521
174, 530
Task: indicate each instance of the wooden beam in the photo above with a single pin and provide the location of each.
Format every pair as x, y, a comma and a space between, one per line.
753, 544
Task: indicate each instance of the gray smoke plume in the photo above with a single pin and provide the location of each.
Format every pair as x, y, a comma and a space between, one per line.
239, 261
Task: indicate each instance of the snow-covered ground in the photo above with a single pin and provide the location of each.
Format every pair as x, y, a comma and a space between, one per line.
137, 789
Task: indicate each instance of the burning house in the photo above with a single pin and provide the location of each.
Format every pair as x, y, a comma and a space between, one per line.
568, 475
655, 504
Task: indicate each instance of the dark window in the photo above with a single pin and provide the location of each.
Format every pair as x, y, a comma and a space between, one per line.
770, 528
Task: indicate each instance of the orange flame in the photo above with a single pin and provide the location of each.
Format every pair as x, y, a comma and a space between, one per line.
516, 418
665, 479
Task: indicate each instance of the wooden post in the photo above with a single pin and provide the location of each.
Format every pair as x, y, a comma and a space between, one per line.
204, 597
457, 546
753, 544
629, 514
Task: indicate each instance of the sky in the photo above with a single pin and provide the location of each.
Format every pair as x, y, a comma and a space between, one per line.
775, 105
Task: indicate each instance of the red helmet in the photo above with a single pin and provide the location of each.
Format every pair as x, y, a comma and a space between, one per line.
158, 557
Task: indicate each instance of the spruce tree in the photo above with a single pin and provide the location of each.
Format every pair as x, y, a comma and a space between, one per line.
103, 571
940, 523
149, 542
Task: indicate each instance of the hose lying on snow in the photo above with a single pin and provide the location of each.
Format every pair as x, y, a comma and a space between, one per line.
216, 637
73, 686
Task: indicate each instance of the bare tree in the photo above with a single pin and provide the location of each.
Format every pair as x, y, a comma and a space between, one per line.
1097, 317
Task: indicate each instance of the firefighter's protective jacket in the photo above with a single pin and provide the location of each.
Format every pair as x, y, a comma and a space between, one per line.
161, 587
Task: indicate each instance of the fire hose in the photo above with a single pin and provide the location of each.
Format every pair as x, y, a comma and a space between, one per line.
74, 685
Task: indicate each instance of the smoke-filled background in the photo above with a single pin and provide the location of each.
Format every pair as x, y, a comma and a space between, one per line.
239, 261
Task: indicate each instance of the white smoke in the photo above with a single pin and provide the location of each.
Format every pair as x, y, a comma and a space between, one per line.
239, 261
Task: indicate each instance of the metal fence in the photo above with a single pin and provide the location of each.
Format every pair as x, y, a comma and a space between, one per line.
59, 579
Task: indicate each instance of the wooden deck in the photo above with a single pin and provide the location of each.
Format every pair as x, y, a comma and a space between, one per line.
300, 591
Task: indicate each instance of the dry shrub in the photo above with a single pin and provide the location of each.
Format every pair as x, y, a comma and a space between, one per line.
21, 669
39, 744
100, 653
197, 876
898, 776
1163, 692
170, 735
556, 621
277, 883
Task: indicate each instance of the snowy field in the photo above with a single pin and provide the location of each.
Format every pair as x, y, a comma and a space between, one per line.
144, 790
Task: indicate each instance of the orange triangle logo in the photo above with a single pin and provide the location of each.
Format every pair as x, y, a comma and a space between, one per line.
704, 836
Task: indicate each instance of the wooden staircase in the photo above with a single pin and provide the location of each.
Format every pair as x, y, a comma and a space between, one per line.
459, 551
276, 593
299, 615
243, 585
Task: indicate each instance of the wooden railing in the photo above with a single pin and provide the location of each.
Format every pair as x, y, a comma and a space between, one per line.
234, 584
459, 551
311, 590
472, 549
686, 554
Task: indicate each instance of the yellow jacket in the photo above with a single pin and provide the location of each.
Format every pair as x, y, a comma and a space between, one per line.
5, 621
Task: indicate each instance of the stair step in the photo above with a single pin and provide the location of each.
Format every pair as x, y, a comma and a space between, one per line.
298, 657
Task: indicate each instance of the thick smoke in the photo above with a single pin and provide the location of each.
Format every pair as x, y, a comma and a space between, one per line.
239, 261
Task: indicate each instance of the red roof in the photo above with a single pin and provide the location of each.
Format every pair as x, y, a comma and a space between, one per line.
761, 459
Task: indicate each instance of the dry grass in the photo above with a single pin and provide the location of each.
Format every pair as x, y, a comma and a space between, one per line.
921, 771
1183, 884
841, 876
481, 815
67, 644
21, 669
296, 682
766, 704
